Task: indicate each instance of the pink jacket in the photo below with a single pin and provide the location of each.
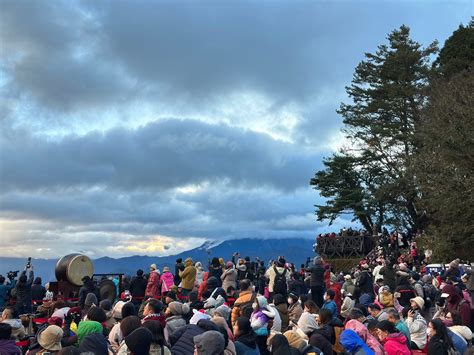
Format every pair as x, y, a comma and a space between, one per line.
167, 281
152, 285
396, 344
368, 338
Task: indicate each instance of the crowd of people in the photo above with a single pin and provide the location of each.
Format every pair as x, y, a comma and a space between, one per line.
388, 304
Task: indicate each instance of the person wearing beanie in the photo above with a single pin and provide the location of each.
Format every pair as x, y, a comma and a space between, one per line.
94, 343
209, 343
175, 319
138, 342
229, 276
7, 344
106, 305
88, 287
394, 343
348, 285
153, 286
38, 291
280, 346
90, 301
87, 327
223, 311
188, 277
138, 287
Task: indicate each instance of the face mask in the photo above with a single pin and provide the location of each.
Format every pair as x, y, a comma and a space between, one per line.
290, 300
448, 322
254, 305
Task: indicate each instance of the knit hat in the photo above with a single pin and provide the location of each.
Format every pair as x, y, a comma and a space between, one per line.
172, 295
347, 277
419, 301
229, 265
166, 269
223, 311
153, 266
139, 341
178, 308
427, 279
209, 343
50, 338
94, 343
91, 299
117, 310
106, 305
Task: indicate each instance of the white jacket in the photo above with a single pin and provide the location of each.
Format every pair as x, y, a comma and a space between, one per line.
417, 327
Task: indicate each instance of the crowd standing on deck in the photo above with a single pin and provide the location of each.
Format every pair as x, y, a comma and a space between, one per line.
389, 304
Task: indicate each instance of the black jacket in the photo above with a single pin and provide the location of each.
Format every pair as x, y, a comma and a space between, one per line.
38, 292
23, 290
366, 283
89, 287
317, 276
437, 347
138, 286
181, 340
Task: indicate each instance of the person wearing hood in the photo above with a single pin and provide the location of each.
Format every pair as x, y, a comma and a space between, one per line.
215, 269
213, 288
455, 303
188, 277
181, 340
294, 308
361, 330
404, 291
317, 284
139, 342
245, 337
90, 301
8, 317
353, 344
88, 287
199, 273
348, 304
282, 309
348, 285
416, 323
454, 323
23, 291
439, 341
259, 320
394, 343
211, 342
178, 267
153, 285
307, 322
229, 276
175, 313
365, 281
7, 343
94, 343
279, 346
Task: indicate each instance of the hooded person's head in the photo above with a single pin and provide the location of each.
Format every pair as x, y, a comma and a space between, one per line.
451, 294
209, 343
280, 345
94, 343
139, 341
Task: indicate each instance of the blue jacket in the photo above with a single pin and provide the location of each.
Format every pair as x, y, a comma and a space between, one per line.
354, 344
331, 305
242, 349
181, 340
459, 344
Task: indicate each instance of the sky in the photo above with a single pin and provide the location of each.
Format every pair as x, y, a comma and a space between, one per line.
148, 127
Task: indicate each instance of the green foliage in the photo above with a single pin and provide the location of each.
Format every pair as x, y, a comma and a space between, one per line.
458, 52
388, 94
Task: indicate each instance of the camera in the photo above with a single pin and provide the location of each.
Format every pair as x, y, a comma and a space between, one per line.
28, 263
12, 274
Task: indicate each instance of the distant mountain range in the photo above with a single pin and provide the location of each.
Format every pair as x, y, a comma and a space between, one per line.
293, 249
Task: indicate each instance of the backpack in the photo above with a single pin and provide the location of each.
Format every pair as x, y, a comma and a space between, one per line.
430, 295
246, 308
279, 285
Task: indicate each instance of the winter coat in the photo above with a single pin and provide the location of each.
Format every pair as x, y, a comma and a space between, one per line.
155, 349
181, 340
317, 276
244, 297
23, 291
138, 286
337, 296
229, 278
271, 274
282, 309
365, 283
407, 292
347, 307
158, 317
298, 287
188, 275
4, 292
353, 344
199, 273
295, 311
167, 282
386, 299
38, 292
259, 322
87, 288
153, 285
349, 286
417, 327
364, 334
458, 341
458, 304
8, 347
403, 328
436, 346
307, 323
18, 330
331, 306
389, 278
216, 271
396, 344
173, 323
246, 344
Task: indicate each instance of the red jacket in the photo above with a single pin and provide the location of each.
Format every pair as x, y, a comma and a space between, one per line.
337, 298
152, 287
396, 344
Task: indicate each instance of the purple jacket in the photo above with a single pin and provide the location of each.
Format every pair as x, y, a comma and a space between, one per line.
9, 347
